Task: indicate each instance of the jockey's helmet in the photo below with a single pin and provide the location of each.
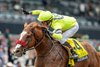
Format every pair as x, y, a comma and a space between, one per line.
45, 16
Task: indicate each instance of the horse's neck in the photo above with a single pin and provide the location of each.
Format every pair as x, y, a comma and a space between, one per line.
44, 47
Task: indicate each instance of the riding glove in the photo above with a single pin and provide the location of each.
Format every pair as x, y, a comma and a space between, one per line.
57, 34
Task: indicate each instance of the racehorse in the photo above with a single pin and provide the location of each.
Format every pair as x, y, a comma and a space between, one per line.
50, 53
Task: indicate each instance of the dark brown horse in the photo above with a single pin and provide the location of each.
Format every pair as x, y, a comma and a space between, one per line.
49, 52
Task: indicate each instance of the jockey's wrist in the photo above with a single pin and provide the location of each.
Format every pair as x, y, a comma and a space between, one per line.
57, 36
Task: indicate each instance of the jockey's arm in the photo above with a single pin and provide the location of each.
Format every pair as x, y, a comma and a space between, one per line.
57, 32
36, 12
33, 12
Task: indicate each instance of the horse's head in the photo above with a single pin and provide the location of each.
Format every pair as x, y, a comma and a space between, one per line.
30, 37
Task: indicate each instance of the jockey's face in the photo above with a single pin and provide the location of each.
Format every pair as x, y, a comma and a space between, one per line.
47, 22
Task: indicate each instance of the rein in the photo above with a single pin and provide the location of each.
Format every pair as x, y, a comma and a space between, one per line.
48, 35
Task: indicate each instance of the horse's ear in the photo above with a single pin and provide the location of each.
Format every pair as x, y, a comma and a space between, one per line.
25, 24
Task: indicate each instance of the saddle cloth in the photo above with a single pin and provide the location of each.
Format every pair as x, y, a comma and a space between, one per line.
79, 50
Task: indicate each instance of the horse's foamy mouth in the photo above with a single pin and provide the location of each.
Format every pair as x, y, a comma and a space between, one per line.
18, 51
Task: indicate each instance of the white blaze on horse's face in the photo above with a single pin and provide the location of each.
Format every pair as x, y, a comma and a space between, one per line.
17, 46
22, 35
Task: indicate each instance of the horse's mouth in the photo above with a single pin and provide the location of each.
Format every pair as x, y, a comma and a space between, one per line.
18, 53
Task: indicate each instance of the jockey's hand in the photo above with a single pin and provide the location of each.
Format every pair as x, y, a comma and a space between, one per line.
25, 12
57, 34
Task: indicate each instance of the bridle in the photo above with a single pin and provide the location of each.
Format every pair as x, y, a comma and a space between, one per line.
25, 47
45, 33
37, 43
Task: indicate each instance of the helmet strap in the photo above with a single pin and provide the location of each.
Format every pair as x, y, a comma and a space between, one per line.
49, 22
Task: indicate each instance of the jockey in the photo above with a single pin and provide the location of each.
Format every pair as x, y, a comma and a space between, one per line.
62, 27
